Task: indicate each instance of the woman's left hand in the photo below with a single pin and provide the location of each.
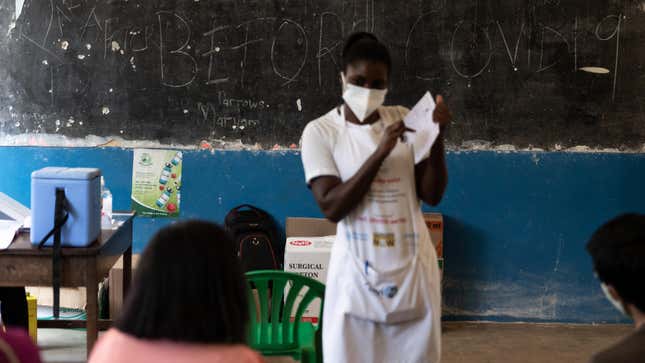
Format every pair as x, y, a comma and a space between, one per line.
441, 114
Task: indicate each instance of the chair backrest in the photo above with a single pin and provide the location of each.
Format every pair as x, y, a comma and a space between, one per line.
271, 324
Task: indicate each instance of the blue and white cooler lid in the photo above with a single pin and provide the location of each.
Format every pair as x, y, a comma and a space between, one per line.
66, 173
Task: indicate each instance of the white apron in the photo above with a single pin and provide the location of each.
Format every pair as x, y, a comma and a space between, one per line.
382, 300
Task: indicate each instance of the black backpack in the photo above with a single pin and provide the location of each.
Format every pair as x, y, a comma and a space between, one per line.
255, 235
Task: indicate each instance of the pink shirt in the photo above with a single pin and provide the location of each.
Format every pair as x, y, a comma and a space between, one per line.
117, 347
18, 342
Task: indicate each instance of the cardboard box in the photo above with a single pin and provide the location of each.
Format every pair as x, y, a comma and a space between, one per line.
308, 256
115, 282
434, 221
311, 227
307, 252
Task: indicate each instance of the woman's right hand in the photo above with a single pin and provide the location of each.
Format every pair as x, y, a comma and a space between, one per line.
391, 137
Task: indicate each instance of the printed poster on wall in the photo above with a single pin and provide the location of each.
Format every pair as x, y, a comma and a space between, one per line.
156, 182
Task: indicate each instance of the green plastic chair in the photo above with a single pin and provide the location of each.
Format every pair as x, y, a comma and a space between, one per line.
273, 333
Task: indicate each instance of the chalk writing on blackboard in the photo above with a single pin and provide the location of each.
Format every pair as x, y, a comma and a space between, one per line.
185, 71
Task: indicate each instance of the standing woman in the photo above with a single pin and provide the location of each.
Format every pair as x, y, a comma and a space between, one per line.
382, 301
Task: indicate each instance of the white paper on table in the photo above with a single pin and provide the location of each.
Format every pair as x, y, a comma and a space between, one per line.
420, 120
12, 209
19, 4
8, 231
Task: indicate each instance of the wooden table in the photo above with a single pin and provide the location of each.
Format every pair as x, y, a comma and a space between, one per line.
23, 264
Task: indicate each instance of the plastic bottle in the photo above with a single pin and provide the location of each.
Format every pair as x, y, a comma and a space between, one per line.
106, 209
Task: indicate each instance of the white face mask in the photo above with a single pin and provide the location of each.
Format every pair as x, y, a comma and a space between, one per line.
617, 304
362, 101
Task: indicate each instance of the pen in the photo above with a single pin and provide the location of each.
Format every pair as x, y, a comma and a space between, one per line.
407, 129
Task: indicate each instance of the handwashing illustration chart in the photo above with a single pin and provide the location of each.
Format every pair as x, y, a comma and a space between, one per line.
156, 182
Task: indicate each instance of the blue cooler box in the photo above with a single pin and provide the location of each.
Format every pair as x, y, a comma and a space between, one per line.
83, 192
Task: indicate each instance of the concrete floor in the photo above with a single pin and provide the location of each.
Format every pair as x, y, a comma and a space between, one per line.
526, 343
462, 342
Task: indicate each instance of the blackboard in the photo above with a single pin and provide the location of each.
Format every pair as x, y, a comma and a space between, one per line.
181, 71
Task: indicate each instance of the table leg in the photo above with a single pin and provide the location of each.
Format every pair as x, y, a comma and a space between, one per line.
127, 272
91, 286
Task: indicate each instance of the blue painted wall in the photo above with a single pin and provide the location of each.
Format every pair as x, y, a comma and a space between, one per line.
516, 223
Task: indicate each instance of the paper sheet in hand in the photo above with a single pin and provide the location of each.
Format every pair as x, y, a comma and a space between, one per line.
420, 119
8, 231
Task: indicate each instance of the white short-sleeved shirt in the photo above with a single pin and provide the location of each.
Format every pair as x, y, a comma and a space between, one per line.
321, 135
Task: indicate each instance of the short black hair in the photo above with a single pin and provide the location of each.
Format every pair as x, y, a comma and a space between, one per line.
618, 252
188, 287
363, 46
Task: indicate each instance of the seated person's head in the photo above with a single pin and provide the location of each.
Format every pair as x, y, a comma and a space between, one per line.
618, 252
188, 287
